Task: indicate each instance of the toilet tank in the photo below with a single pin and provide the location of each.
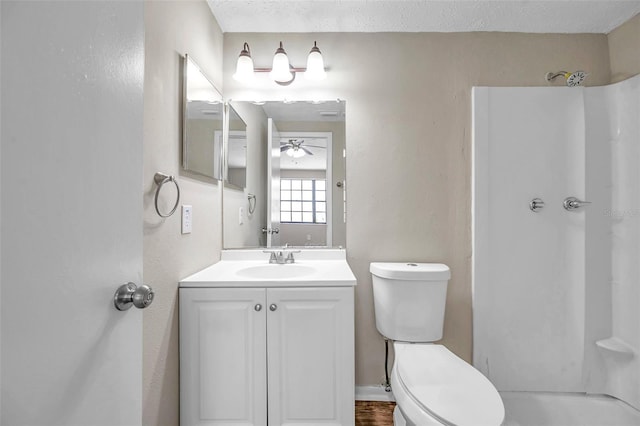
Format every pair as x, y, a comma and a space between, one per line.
409, 300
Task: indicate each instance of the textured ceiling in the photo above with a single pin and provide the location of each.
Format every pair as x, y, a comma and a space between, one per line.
557, 16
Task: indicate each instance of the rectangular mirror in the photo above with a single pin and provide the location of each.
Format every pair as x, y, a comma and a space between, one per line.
295, 171
202, 123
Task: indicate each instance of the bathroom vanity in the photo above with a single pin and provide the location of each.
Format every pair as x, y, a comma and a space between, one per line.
268, 344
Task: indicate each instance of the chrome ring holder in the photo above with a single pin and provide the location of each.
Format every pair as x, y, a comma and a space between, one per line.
160, 179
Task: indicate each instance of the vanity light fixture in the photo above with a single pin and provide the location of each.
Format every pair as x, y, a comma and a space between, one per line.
281, 70
244, 66
315, 65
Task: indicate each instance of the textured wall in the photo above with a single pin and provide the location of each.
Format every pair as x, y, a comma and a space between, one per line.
173, 28
624, 50
408, 143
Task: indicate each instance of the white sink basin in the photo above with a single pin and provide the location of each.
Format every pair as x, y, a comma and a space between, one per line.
251, 268
275, 271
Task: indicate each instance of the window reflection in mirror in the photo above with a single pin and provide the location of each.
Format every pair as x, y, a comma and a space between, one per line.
202, 123
296, 169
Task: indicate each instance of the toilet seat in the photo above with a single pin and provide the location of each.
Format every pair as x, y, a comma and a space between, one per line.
445, 387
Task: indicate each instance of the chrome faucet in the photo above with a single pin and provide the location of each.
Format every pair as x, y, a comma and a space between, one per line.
278, 256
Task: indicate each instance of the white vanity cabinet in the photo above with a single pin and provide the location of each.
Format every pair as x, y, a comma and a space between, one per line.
267, 356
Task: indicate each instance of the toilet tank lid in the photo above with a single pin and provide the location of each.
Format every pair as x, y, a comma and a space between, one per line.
410, 271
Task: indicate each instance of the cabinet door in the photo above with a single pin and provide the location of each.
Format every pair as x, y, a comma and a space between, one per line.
223, 376
310, 356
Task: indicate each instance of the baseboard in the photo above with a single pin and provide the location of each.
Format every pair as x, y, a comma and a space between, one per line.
373, 393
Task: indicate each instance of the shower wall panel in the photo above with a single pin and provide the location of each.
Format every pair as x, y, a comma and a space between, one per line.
621, 349
529, 267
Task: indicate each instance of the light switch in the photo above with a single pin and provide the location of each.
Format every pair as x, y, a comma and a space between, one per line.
187, 219
240, 215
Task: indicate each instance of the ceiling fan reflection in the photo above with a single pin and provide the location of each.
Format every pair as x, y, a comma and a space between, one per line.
294, 148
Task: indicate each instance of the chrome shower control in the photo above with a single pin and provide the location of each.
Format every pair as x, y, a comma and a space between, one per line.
536, 204
572, 203
130, 294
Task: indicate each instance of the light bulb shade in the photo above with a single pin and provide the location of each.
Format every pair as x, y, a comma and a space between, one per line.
280, 71
244, 68
315, 65
290, 152
298, 153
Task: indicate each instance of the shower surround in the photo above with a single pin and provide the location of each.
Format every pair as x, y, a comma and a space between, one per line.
556, 297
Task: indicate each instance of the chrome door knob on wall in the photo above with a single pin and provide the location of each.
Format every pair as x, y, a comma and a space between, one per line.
130, 294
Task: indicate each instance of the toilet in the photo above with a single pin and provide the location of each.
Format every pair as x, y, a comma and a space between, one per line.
431, 385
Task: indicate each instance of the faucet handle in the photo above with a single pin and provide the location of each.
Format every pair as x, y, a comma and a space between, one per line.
572, 203
290, 258
273, 258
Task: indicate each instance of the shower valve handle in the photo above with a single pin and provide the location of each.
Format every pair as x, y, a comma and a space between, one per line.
572, 203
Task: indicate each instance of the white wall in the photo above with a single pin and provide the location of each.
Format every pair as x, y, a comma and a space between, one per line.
408, 101
173, 28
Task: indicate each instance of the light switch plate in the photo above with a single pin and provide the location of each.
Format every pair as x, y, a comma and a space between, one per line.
187, 218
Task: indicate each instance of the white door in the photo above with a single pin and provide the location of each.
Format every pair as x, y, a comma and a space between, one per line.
71, 197
273, 190
223, 371
310, 356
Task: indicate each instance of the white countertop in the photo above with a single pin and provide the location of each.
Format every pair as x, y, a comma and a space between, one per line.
251, 268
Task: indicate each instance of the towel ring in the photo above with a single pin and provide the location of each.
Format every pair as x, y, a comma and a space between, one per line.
252, 203
160, 179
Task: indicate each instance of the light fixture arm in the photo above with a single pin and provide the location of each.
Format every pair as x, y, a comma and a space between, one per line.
283, 83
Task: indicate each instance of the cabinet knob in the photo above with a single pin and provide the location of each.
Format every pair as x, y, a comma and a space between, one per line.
258, 307
273, 307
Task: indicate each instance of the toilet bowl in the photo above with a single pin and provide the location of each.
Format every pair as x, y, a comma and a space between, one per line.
431, 385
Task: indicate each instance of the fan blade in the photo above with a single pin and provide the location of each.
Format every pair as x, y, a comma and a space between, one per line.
286, 147
306, 150
316, 146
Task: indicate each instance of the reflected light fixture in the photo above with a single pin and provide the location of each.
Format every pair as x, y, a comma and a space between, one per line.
295, 152
281, 70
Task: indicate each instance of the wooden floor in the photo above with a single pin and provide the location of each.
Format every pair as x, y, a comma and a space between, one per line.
374, 413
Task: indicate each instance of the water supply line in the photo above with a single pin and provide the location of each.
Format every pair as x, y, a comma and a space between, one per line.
387, 384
